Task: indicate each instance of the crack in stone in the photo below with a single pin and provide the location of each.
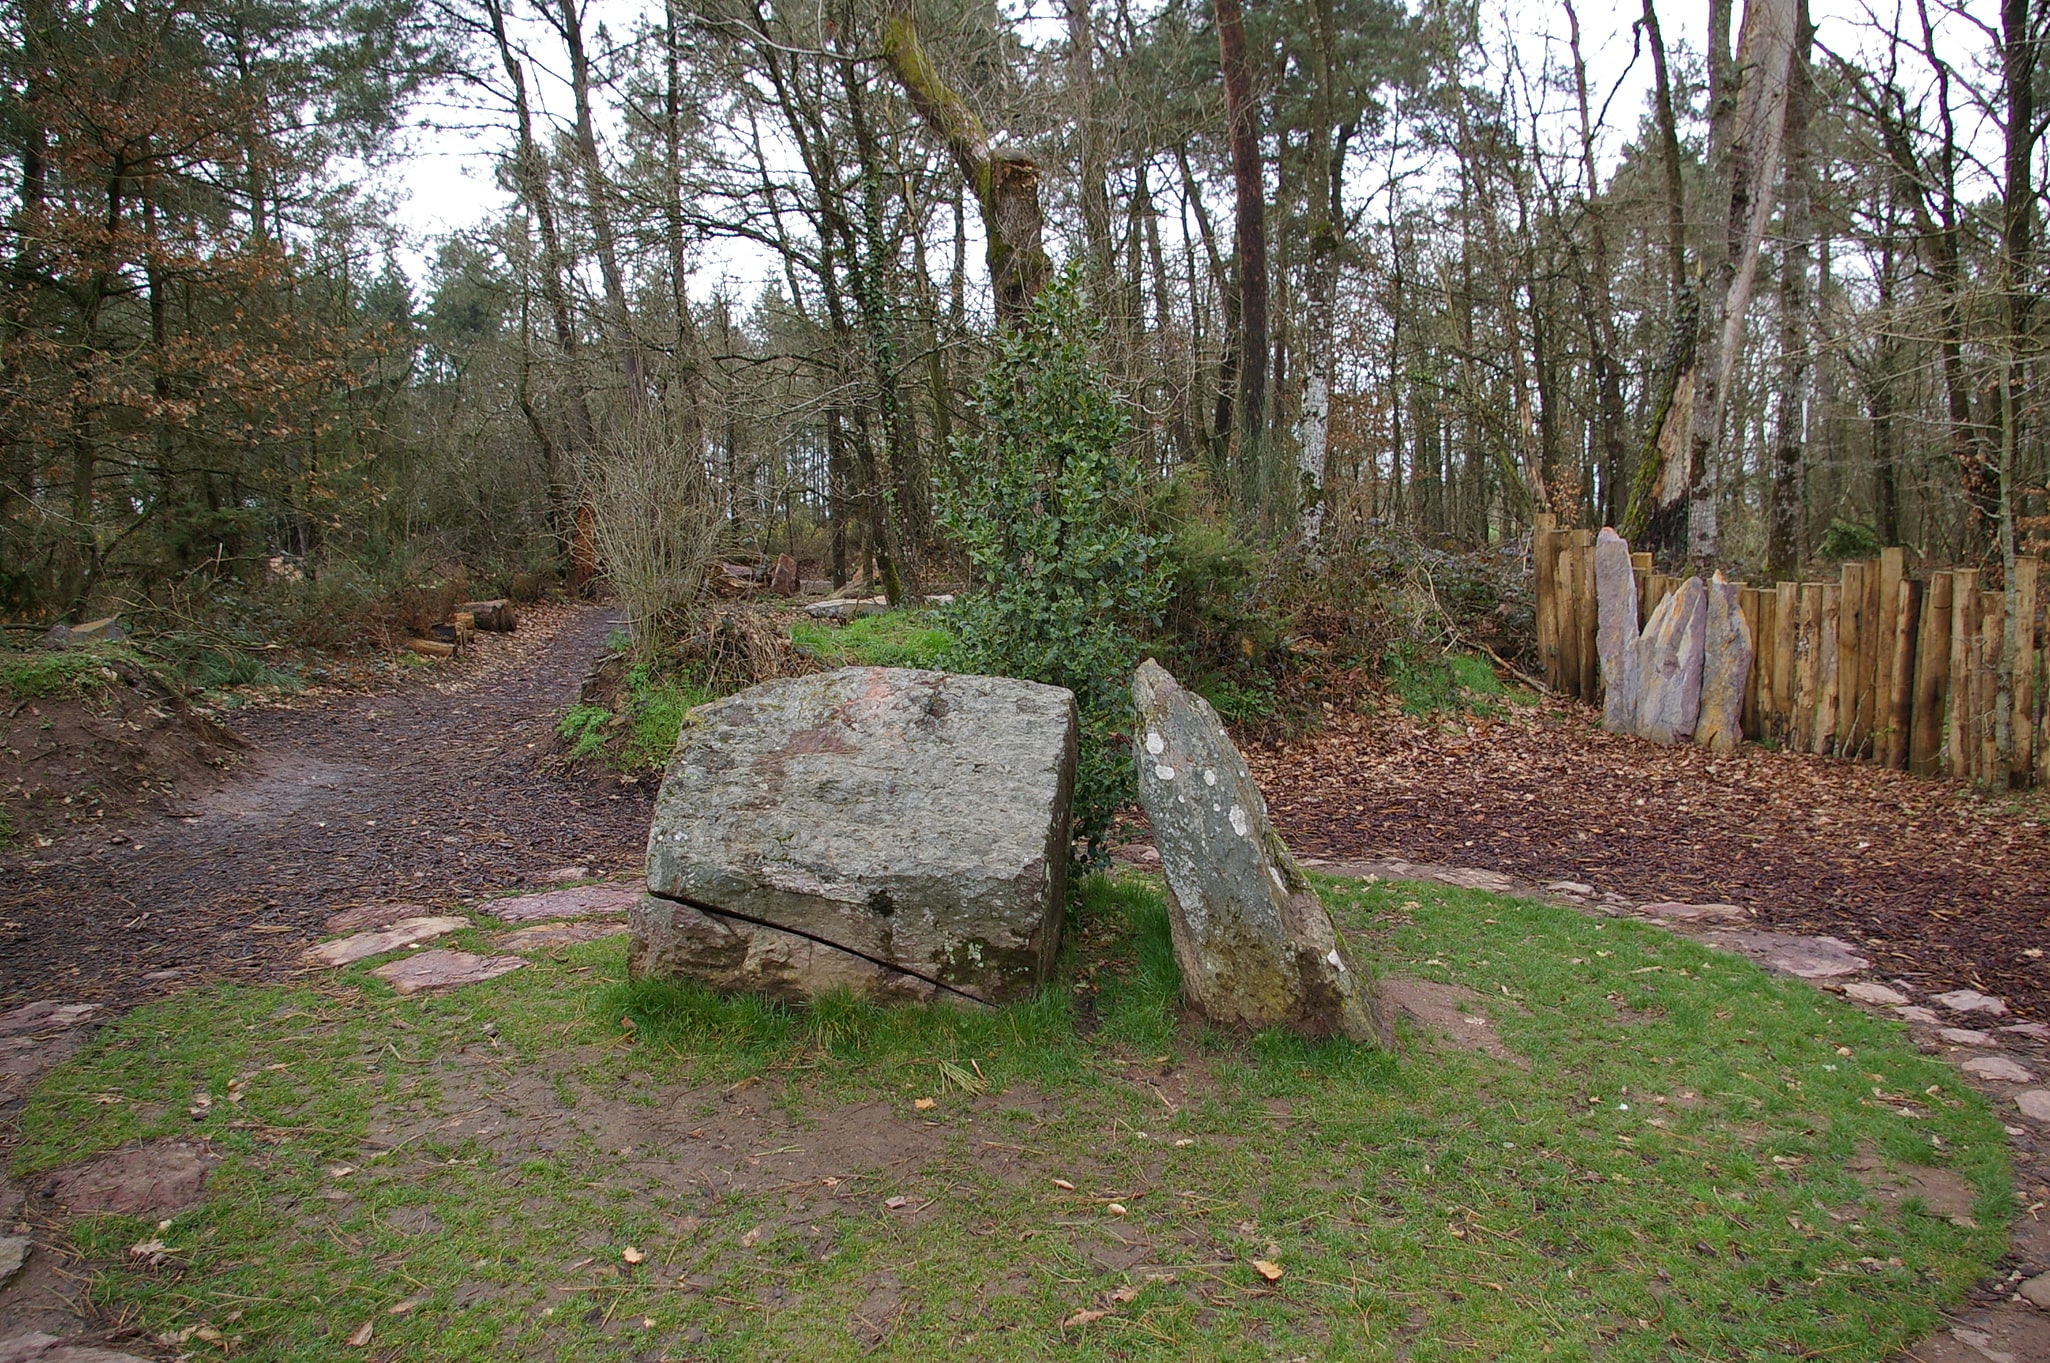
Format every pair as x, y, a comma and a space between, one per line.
717, 912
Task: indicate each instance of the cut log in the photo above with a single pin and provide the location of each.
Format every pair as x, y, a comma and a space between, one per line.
497, 617
431, 648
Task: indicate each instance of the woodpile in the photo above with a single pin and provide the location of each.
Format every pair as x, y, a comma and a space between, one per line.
1874, 666
452, 636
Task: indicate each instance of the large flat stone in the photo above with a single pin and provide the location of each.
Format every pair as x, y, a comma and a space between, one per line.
146, 1180
1255, 944
363, 945
579, 901
915, 821
441, 969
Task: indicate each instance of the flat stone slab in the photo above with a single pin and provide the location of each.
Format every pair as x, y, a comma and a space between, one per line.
367, 917
1809, 958
1694, 913
2036, 1291
45, 1015
846, 610
13, 1254
363, 945
1864, 991
565, 873
1965, 1036
1998, 1068
440, 969
41, 1348
1972, 1001
2029, 1029
146, 1180
1914, 1012
2035, 1104
543, 936
578, 901
916, 821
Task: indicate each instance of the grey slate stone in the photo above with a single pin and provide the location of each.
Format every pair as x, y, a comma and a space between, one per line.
1255, 945
1615, 635
905, 833
1726, 651
1669, 665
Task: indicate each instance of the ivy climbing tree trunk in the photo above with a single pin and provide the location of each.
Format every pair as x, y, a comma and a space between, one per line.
1005, 182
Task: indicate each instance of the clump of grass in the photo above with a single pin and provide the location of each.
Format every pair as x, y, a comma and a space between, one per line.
653, 701
63, 672
892, 639
1663, 1168
1442, 683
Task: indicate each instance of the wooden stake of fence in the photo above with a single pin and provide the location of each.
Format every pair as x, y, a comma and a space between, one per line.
1803, 731
1568, 623
1900, 672
2022, 759
1828, 680
1851, 725
1590, 618
1932, 675
1749, 605
1886, 658
1640, 568
1964, 638
1991, 769
1786, 625
1544, 560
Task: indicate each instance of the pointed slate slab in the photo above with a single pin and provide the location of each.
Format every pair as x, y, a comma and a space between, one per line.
1255, 945
1615, 636
1669, 665
1726, 650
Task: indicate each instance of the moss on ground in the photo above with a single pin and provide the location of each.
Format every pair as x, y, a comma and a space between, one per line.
559, 1164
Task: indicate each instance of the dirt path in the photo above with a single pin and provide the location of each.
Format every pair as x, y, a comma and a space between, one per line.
431, 791
1940, 885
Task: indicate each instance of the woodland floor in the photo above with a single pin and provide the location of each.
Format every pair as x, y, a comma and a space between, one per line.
434, 788
441, 787
1939, 884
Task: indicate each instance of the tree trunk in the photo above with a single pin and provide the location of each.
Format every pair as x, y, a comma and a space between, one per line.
1250, 197
1784, 552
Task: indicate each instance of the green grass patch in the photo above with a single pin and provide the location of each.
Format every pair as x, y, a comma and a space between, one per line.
63, 672
1445, 683
1667, 1168
892, 639
641, 734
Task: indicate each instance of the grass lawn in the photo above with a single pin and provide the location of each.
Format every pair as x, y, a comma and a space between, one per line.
1675, 1157
901, 638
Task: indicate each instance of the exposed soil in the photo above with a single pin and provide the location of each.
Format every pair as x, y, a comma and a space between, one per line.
130, 742
1939, 884
431, 791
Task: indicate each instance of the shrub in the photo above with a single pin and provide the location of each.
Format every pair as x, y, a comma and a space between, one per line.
1847, 540
1045, 506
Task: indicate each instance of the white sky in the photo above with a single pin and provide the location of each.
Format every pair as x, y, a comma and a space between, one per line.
446, 181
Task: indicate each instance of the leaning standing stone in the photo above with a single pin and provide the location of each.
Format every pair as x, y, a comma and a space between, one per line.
1615, 635
903, 834
1725, 666
1255, 945
1669, 665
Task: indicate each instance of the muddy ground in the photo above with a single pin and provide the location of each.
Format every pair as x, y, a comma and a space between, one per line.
436, 789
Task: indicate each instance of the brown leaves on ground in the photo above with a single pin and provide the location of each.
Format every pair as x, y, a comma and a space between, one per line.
1936, 882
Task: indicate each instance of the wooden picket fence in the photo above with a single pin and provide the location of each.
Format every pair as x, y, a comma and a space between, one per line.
1877, 666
